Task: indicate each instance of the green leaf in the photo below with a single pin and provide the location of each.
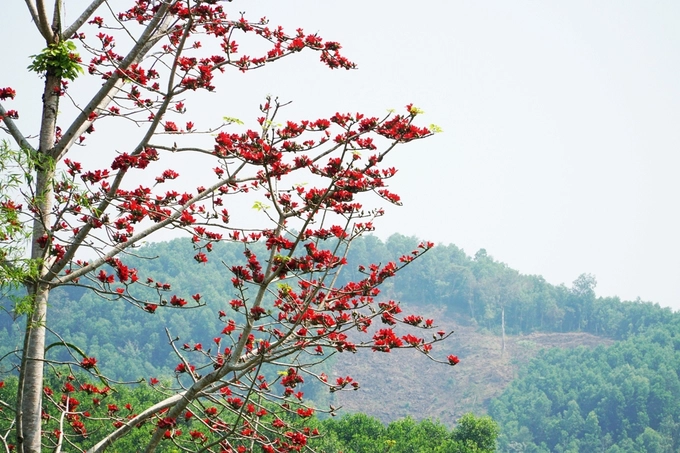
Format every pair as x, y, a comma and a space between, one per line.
230, 120
61, 58
260, 206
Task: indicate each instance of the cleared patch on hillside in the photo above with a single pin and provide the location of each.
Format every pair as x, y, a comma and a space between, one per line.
406, 383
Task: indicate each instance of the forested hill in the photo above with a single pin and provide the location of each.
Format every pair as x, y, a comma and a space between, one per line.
476, 288
480, 288
620, 398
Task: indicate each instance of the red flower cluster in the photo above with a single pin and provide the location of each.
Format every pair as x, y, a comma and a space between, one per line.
88, 363
7, 93
385, 340
182, 368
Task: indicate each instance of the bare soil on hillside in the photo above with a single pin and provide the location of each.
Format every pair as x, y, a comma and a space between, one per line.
406, 383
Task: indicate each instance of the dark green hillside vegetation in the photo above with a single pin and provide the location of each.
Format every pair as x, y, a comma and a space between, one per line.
625, 398
481, 289
362, 434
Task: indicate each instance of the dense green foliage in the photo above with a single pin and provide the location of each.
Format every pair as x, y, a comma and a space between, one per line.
360, 433
625, 398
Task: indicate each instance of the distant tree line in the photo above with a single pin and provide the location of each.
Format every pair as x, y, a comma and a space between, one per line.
481, 288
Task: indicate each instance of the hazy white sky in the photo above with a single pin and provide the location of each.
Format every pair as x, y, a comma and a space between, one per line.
561, 123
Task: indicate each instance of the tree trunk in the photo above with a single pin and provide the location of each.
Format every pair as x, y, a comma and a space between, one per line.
29, 397
31, 385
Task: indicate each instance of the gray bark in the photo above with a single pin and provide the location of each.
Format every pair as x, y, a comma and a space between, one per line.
29, 397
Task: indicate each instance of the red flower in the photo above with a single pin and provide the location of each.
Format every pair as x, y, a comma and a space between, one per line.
412, 340
413, 320
181, 368
305, 412
170, 126
186, 219
97, 21
385, 340
257, 312
7, 93
230, 327
201, 257
235, 403
197, 435
177, 301
167, 422
88, 363
453, 359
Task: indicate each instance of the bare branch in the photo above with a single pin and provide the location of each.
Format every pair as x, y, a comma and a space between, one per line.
75, 26
153, 32
60, 439
56, 18
43, 22
34, 14
14, 131
145, 415
131, 241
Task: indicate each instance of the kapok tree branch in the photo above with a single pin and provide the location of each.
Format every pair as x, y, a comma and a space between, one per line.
151, 35
14, 131
131, 241
41, 21
75, 26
